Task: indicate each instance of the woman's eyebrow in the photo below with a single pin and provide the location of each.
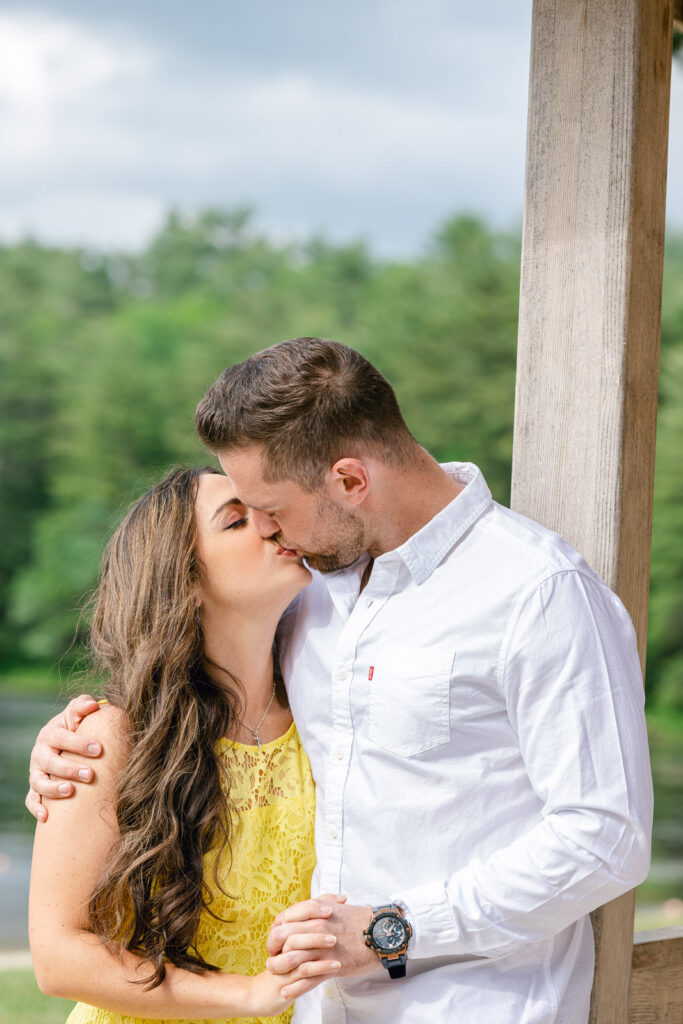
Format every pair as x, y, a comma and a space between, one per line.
226, 504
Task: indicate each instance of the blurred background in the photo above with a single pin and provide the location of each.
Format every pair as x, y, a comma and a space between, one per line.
183, 186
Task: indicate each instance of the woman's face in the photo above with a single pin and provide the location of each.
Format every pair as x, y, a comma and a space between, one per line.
241, 571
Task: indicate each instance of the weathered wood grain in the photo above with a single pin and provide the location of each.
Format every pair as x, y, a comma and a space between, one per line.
590, 303
657, 977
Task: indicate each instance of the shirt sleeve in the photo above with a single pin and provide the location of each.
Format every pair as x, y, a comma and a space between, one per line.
570, 674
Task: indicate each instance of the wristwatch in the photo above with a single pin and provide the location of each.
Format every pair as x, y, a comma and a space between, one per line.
388, 934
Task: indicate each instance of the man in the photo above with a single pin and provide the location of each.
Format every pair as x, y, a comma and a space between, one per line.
468, 692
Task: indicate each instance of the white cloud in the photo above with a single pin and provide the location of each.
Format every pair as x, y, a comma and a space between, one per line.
44, 61
104, 130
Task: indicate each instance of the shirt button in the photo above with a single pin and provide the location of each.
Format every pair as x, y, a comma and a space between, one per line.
342, 674
339, 754
332, 833
329, 991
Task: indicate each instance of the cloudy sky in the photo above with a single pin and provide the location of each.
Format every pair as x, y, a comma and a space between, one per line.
354, 118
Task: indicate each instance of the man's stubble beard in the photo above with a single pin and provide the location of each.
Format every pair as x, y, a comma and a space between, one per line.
346, 533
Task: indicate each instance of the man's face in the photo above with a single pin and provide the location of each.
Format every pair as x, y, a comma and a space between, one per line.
329, 535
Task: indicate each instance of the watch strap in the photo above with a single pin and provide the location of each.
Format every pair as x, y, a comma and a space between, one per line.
397, 967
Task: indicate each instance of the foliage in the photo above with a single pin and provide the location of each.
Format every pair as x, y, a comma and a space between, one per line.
104, 356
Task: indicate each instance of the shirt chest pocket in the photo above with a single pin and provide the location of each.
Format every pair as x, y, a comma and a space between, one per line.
410, 700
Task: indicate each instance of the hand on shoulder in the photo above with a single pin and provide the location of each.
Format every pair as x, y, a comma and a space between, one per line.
108, 730
53, 776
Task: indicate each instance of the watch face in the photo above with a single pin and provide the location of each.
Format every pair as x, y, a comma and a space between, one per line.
389, 933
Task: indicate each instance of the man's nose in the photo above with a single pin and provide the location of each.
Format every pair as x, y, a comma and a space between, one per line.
266, 526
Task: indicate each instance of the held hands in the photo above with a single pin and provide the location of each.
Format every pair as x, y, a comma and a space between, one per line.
306, 932
49, 772
273, 993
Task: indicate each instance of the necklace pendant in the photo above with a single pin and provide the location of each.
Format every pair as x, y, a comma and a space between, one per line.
258, 740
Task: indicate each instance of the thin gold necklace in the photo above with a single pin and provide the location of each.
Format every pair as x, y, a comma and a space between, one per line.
254, 729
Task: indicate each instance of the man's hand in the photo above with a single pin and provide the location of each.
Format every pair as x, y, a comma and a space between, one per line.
297, 931
48, 770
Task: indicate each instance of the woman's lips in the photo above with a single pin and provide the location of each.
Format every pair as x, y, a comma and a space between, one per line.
287, 552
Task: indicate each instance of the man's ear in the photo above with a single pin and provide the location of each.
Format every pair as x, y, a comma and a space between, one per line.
348, 481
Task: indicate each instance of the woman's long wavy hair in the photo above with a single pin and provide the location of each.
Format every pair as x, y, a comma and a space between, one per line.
170, 805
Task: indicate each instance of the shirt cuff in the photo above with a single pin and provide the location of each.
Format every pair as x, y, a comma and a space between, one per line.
428, 912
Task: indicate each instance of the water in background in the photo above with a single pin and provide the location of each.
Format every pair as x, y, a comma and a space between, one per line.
20, 720
659, 900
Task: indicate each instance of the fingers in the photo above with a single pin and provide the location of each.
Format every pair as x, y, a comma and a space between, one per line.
35, 807
307, 940
49, 773
78, 709
334, 897
305, 911
308, 975
52, 739
55, 737
57, 787
280, 933
304, 947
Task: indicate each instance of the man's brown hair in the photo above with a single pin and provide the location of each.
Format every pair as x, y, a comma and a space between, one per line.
308, 402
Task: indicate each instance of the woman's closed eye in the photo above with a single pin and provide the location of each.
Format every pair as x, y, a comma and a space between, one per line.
237, 522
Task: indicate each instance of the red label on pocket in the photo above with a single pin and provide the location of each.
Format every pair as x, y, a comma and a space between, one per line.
371, 672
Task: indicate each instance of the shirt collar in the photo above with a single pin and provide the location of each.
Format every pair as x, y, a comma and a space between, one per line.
422, 552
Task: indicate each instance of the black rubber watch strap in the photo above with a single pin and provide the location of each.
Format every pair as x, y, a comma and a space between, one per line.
398, 969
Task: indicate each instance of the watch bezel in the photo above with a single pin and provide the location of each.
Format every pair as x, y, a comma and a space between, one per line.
395, 916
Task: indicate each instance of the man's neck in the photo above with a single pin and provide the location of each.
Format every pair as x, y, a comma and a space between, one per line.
409, 500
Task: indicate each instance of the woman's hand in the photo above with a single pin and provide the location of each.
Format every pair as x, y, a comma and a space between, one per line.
273, 993
49, 772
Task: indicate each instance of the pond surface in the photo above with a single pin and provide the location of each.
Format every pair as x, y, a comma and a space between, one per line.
22, 717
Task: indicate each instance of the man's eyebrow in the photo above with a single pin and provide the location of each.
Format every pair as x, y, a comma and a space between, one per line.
226, 504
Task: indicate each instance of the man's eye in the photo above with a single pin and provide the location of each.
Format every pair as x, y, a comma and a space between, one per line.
237, 522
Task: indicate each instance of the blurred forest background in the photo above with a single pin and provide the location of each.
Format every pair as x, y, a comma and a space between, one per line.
104, 357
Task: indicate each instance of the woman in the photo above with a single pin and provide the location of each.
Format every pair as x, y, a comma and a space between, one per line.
153, 892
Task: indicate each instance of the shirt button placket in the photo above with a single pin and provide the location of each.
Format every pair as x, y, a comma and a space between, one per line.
335, 779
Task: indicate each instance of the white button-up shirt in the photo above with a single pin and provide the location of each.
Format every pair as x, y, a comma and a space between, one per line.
474, 720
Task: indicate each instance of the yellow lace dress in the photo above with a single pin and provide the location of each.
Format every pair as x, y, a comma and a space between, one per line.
273, 858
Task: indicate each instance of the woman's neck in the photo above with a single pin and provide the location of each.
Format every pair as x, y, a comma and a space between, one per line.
240, 656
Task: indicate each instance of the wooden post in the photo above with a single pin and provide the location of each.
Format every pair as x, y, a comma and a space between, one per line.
657, 978
590, 305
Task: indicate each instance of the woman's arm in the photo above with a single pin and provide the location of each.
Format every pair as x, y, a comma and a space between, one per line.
70, 851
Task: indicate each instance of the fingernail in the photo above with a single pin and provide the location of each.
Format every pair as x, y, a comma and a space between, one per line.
93, 748
64, 787
330, 940
284, 993
325, 909
83, 773
335, 965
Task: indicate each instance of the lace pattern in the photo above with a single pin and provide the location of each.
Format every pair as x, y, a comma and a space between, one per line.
273, 857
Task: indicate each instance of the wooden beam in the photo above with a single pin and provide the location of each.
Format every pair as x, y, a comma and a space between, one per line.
657, 978
590, 302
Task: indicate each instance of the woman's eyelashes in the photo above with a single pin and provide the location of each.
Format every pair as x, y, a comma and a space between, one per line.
237, 522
